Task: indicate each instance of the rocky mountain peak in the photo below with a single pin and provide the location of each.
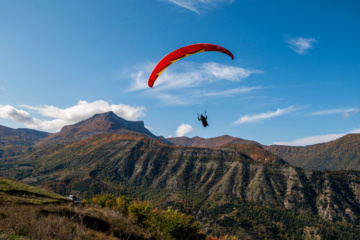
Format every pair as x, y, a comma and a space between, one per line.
107, 122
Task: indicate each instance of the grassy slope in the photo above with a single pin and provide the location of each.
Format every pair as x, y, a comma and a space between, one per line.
19, 193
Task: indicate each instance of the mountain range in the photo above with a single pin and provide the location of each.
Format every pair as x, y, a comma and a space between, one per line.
225, 182
343, 153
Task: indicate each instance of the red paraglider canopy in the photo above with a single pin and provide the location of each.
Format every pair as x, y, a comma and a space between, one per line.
181, 53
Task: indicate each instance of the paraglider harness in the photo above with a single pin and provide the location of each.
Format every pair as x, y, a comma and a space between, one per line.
203, 120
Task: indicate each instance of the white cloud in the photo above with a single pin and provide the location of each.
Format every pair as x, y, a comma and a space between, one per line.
311, 140
16, 115
183, 129
267, 115
199, 6
2, 88
66, 116
346, 112
315, 139
301, 45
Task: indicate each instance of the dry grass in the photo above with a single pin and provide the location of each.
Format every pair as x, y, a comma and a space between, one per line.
59, 222
27, 222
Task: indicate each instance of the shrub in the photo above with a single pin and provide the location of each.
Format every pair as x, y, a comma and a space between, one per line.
179, 225
122, 204
141, 211
170, 224
106, 200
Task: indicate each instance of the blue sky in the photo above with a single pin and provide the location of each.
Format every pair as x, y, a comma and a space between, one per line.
294, 80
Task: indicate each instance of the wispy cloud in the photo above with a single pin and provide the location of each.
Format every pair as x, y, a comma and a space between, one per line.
301, 45
345, 112
315, 139
65, 116
183, 129
311, 140
199, 6
2, 88
138, 82
231, 92
189, 75
189, 5
267, 115
189, 78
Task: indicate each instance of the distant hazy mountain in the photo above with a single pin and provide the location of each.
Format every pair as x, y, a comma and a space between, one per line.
17, 141
210, 142
343, 153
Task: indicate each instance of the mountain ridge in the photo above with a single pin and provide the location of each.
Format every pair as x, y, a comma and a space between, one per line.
209, 142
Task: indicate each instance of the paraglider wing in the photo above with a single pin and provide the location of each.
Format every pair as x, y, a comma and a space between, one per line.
181, 53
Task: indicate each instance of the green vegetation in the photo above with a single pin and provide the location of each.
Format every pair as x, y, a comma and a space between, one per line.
226, 215
169, 223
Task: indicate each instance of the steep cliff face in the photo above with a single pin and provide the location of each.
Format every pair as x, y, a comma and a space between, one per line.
143, 162
323, 193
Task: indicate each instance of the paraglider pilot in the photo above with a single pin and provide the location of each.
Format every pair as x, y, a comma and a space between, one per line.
203, 120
